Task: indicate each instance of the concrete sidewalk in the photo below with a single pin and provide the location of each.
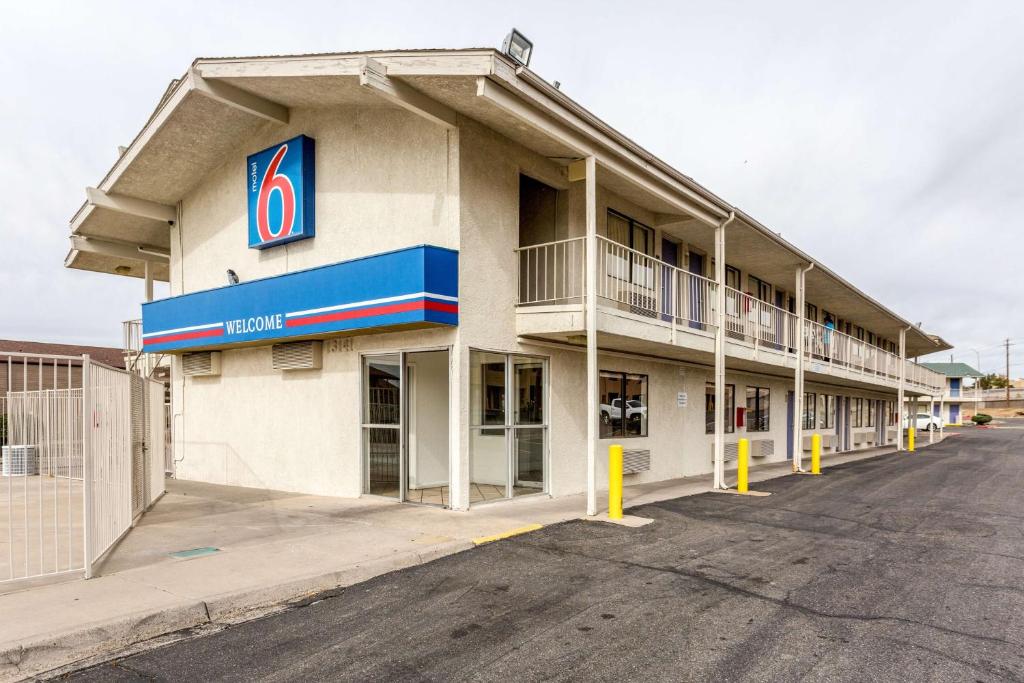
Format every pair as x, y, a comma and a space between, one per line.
256, 551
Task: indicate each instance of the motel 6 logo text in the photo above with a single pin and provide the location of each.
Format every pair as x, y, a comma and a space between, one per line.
281, 187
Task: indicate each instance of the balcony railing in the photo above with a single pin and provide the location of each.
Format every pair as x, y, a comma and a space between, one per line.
646, 286
921, 377
749, 319
828, 345
554, 273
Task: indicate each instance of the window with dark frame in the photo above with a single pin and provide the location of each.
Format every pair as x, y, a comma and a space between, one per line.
826, 411
870, 416
810, 410
729, 415
732, 277
623, 409
629, 233
762, 291
858, 413
758, 408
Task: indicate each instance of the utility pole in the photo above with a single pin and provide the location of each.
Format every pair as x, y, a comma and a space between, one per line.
1007, 344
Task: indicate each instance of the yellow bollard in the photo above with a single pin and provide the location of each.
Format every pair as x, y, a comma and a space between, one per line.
910, 439
816, 454
615, 482
741, 466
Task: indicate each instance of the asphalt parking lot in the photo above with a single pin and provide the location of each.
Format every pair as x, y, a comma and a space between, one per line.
902, 567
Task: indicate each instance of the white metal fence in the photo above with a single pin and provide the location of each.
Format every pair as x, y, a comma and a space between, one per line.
41, 489
108, 469
69, 469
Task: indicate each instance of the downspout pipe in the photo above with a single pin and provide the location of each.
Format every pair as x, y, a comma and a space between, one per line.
798, 378
719, 470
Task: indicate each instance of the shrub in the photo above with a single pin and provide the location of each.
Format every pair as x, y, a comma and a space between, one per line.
982, 419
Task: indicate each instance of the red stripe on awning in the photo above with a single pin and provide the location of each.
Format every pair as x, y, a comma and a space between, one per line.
181, 336
373, 311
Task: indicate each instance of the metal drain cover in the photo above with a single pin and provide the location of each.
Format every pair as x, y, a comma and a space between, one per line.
194, 552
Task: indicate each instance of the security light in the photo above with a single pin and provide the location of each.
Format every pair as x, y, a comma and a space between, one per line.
518, 47
232, 277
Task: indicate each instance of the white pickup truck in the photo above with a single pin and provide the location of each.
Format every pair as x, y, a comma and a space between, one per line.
612, 412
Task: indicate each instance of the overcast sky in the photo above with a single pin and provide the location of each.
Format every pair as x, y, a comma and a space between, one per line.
884, 138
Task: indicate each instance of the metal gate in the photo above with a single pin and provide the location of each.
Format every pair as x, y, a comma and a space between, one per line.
139, 435
81, 456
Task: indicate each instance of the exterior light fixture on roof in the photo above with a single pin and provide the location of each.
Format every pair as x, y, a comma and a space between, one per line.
518, 47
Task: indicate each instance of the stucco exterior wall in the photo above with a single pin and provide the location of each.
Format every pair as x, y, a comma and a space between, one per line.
384, 180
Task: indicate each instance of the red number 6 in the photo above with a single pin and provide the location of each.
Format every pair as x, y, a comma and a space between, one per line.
274, 181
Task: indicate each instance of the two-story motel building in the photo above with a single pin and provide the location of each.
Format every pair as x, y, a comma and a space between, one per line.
457, 285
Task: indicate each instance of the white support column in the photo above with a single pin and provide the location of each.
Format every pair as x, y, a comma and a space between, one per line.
901, 397
458, 450
931, 412
798, 376
149, 281
593, 401
942, 412
719, 468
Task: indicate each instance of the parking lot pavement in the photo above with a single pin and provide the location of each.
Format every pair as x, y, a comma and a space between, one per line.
903, 567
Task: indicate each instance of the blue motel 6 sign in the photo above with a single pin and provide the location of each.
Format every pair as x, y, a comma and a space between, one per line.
280, 186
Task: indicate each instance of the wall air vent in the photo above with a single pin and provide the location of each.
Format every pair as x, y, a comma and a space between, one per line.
300, 355
762, 448
732, 452
827, 441
636, 460
201, 364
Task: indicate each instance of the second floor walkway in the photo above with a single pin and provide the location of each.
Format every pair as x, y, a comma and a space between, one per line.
643, 300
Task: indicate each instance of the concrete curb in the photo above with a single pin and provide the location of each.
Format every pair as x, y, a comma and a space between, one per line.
59, 652
235, 607
23, 660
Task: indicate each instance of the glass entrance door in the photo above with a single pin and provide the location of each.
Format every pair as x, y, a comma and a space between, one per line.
405, 426
382, 425
508, 426
426, 428
529, 429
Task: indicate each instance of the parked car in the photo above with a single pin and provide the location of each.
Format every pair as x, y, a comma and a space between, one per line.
924, 422
612, 412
